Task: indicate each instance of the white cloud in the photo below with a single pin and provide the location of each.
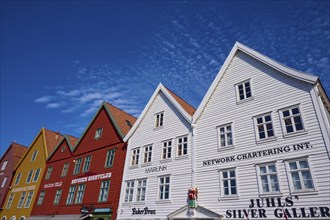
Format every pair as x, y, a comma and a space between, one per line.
43, 99
90, 96
70, 93
53, 105
89, 111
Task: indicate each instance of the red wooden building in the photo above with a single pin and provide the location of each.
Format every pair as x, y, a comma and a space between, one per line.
8, 163
91, 189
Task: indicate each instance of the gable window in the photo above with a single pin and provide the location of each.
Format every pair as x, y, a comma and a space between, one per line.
147, 154
49, 173
36, 175
65, 169
10, 200
135, 156
104, 191
98, 133
71, 193
164, 188
243, 90
18, 178
228, 183
129, 190
29, 177
264, 126
182, 143
4, 182
21, 200
268, 181
159, 119
292, 120
300, 175
87, 164
141, 190
225, 134
167, 149
34, 155
28, 199
41, 197
57, 196
80, 193
77, 166
110, 158
4, 164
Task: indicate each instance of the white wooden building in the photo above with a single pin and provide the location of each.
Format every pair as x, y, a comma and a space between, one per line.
262, 140
158, 171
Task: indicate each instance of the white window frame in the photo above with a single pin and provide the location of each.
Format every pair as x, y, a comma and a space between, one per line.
109, 159
71, 195
268, 175
129, 190
166, 149
159, 119
36, 175
147, 154
162, 188
104, 191
135, 156
18, 178
245, 94
182, 146
291, 118
10, 200
34, 155
80, 193
29, 177
41, 198
49, 173
4, 165
299, 170
57, 197
77, 165
226, 134
65, 169
21, 200
228, 180
264, 125
141, 190
98, 133
4, 182
87, 163
29, 199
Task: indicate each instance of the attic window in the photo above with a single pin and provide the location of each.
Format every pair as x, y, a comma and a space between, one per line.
63, 149
4, 164
98, 133
159, 119
34, 155
128, 123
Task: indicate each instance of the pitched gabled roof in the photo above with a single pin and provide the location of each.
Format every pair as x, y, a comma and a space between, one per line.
260, 57
182, 106
71, 140
18, 150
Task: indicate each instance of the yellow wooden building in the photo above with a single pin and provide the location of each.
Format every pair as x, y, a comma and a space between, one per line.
28, 175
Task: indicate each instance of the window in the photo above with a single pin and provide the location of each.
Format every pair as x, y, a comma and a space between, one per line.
228, 183
182, 143
4, 182
104, 191
147, 154
135, 156
4, 164
80, 194
164, 188
87, 164
159, 119
98, 133
109, 158
41, 197
57, 196
243, 90
21, 200
49, 173
4, 218
36, 175
13, 218
65, 169
300, 175
167, 149
34, 155
225, 133
28, 199
264, 127
268, 179
141, 190
18, 177
22, 218
71, 193
10, 200
29, 177
129, 191
77, 166
292, 120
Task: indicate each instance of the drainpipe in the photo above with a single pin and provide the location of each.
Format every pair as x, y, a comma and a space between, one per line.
193, 155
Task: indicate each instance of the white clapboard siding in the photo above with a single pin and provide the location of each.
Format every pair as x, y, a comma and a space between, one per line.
272, 91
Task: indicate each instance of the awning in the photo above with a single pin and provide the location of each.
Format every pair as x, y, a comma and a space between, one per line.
58, 217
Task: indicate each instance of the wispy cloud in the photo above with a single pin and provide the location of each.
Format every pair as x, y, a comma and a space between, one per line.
43, 99
53, 105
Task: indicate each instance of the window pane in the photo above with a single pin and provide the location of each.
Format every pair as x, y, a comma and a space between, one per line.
295, 180
293, 166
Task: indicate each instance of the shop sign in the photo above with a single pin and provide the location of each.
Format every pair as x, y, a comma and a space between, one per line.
51, 185
283, 208
25, 188
256, 154
91, 178
144, 211
156, 169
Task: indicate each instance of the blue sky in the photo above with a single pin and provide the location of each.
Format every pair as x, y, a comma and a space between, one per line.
61, 59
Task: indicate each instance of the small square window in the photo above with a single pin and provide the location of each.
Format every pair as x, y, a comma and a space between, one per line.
291, 120
264, 127
225, 136
98, 133
243, 91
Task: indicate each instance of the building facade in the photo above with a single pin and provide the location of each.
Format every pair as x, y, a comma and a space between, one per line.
8, 163
28, 172
158, 171
262, 141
